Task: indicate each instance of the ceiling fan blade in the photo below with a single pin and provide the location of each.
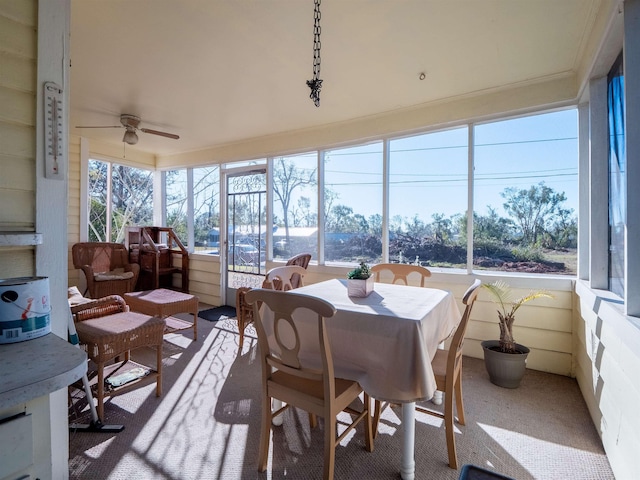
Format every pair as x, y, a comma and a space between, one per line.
162, 134
103, 126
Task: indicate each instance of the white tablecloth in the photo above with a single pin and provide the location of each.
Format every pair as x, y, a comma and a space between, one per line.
385, 341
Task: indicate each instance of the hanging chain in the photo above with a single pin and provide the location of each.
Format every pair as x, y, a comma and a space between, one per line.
316, 84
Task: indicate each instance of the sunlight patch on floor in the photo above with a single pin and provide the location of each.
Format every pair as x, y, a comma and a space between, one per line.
97, 451
536, 455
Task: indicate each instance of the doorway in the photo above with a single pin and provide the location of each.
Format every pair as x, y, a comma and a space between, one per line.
244, 262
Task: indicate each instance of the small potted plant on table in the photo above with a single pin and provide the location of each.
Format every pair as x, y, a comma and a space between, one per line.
360, 281
505, 359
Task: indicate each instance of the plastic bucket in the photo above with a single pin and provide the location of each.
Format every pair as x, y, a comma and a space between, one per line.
25, 310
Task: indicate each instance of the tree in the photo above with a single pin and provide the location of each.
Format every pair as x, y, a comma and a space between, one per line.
442, 228
287, 178
131, 198
533, 209
489, 228
340, 220
206, 202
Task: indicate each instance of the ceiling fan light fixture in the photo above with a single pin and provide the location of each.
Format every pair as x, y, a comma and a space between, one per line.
130, 137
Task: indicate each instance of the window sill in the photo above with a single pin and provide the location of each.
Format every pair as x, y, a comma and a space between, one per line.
610, 308
15, 239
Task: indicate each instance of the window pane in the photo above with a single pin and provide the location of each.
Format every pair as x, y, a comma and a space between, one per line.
526, 194
428, 199
246, 221
176, 198
353, 204
295, 206
206, 208
132, 199
617, 178
97, 201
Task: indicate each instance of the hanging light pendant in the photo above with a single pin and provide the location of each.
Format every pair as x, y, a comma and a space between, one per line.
130, 136
315, 84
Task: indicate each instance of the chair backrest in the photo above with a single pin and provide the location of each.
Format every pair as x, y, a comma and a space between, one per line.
101, 256
284, 278
455, 349
284, 352
401, 272
302, 260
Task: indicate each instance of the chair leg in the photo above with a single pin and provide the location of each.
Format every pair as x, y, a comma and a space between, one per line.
241, 326
265, 433
459, 400
369, 433
195, 325
448, 424
101, 392
159, 370
377, 412
329, 445
313, 420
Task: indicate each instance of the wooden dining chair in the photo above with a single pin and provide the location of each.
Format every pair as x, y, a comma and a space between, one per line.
286, 377
447, 368
395, 273
400, 272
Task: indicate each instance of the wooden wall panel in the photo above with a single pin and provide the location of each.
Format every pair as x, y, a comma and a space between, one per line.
18, 52
16, 173
16, 38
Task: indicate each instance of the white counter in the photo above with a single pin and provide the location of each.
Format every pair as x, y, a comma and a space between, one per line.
38, 367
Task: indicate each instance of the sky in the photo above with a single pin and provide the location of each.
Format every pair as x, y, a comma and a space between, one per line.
428, 173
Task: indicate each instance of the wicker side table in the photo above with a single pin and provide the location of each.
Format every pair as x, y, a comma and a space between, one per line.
110, 336
163, 302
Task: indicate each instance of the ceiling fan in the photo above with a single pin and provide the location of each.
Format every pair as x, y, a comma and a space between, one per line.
131, 124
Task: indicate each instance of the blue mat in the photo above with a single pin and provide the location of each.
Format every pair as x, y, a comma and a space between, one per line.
217, 313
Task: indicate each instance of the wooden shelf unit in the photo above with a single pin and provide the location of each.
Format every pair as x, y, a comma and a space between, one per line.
154, 248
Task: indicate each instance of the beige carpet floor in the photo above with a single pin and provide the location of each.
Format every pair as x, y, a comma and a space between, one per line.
206, 425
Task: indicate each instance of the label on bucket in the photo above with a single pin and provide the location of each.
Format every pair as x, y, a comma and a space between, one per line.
24, 309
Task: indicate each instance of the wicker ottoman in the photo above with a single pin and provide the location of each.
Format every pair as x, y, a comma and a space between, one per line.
163, 303
111, 336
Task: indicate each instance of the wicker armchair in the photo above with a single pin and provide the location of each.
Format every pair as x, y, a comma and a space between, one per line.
106, 268
108, 330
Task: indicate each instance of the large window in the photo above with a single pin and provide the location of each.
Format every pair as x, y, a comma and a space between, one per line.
125, 201
428, 178
205, 212
526, 193
353, 204
206, 208
523, 192
295, 206
617, 177
176, 193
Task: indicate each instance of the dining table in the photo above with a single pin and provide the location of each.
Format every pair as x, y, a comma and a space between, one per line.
386, 342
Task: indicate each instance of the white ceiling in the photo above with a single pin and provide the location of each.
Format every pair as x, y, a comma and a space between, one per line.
222, 71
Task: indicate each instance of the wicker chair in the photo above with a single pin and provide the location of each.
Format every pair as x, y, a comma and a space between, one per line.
302, 260
244, 311
106, 268
107, 330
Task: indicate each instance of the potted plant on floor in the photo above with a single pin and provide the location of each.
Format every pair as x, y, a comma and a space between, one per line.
360, 281
505, 359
